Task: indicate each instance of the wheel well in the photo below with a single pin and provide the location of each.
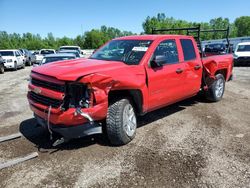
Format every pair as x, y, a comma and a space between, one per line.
134, 95
223, 72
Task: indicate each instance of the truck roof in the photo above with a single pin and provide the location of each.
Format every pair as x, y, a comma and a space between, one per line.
244, 43
149, 37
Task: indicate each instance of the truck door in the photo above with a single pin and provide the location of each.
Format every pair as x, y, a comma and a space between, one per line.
193, 67
165, 83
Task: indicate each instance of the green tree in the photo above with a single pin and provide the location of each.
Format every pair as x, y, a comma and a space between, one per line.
94, 39
160, 21
242, 25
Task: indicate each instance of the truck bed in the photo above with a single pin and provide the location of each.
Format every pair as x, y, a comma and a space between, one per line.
218, 62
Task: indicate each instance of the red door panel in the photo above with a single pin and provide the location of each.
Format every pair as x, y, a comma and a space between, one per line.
165, 84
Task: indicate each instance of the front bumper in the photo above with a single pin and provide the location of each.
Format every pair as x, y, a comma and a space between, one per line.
9, 65
67, 132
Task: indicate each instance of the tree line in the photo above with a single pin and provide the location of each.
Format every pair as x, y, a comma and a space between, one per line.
239, 28
97, 37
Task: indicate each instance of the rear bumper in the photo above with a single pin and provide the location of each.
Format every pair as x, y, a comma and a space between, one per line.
67, 132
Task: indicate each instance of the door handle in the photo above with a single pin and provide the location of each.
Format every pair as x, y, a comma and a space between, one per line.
197, 67
178, 71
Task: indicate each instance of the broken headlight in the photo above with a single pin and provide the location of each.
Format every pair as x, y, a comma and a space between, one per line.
77, 95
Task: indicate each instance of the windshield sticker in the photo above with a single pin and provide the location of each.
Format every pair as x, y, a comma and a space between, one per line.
140, 48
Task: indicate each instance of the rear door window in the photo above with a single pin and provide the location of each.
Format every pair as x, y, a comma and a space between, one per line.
188, 49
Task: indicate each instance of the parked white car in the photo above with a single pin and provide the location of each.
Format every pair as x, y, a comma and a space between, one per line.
42, 53
87, 53
242, 53
13, 59
78, 48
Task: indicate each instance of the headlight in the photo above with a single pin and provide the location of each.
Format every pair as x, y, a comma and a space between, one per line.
77, 95
9, 60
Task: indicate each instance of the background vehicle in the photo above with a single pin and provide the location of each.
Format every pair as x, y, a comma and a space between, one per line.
27, 56
87, 53
75, 52
13, 59
71, 48
215, 49
56, 57
1, 65
127, 77
42, 53
242, 53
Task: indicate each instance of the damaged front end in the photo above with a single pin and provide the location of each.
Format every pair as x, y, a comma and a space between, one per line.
81, 105
78, 96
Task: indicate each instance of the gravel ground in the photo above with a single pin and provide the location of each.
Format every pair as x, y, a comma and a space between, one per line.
190, 144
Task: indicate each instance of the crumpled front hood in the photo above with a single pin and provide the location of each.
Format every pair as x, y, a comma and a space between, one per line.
71, 70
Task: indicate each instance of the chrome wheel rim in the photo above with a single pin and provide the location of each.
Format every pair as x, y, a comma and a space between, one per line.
219, 88
129, 120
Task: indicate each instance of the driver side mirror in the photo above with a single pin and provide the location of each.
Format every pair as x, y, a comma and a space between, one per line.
158, 61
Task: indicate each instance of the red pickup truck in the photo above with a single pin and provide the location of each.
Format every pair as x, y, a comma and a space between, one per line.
125, 78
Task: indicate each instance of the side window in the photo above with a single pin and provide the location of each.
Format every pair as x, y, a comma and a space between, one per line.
188, 49
168, 49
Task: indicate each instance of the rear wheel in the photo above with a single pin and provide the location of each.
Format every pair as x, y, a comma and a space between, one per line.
23, 65
216, 90
121, 122
1, 68
29, 63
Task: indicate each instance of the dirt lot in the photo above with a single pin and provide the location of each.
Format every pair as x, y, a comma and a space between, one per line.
189, 144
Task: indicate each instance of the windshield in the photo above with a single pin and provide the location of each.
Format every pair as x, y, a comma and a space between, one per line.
243, 48
6, 53
53, 59
44, 52
128, 51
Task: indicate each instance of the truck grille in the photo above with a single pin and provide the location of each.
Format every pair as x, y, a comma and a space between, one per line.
48, 85
45, 100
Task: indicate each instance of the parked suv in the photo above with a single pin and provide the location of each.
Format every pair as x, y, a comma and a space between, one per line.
13, 59
27, 56
42, 53
242, 53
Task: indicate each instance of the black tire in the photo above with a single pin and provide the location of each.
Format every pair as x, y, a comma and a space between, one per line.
1, 69
15, 66
116, 127
29, 63
216, 90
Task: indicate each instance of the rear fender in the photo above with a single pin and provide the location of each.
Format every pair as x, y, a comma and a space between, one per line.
210, 69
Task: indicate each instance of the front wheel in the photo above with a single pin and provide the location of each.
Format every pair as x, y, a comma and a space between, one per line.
216, 90
121, 122
1, 68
